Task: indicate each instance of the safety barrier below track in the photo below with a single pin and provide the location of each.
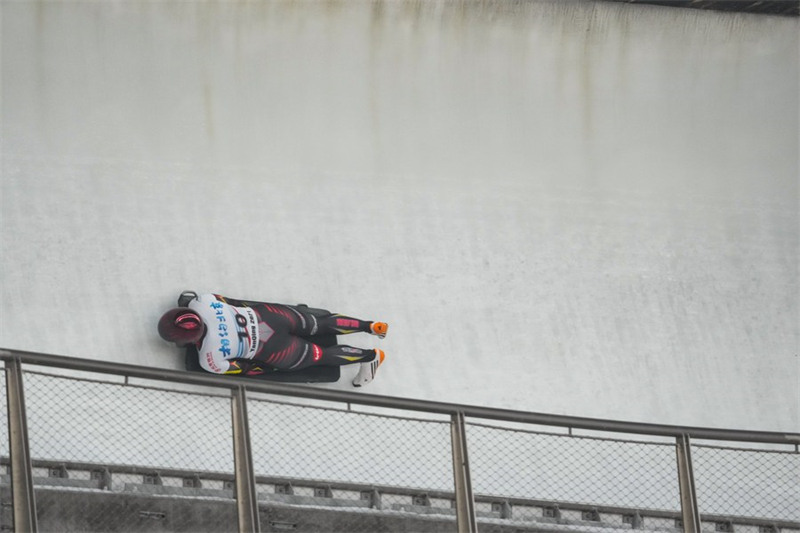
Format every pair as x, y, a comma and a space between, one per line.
94, 446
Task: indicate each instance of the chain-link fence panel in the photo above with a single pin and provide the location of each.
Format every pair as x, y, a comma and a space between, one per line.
367, 471
550, 478
115, 456
4, 451
756, 483
6, 514
119, 457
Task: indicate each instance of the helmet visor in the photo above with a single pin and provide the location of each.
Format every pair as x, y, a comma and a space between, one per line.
188, 321
181, 325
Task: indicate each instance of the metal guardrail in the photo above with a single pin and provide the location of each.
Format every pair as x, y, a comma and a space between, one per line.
465, 501
471, 411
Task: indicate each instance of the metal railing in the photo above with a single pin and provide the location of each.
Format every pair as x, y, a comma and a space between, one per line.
250, 459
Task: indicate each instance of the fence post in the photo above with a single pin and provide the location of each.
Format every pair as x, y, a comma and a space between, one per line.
465, 504
246, 498
22, 496
689, 510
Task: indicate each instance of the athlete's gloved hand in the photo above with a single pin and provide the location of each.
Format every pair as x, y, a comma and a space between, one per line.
236, 367
245, 366
255, 370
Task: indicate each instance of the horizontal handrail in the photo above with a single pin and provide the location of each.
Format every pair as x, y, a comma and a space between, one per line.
472, 411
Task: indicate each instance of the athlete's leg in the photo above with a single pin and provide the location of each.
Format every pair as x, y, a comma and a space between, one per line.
280, 349
341, 354
307, 323
299, 353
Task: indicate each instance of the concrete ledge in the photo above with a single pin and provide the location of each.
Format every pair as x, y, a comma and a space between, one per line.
158, 508
423, 509
66, 482
191, 492
433, 510
312, 500
359, 500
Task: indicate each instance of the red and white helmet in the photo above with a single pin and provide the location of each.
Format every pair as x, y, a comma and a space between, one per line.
181, 325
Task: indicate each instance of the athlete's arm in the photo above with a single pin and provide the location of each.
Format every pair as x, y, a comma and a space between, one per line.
234, 302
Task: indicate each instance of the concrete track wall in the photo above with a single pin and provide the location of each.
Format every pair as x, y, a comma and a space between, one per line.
584, 208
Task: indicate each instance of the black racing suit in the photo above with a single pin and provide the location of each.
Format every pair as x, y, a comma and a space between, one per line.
253, 337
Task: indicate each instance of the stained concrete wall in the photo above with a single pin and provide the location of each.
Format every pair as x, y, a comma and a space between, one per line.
584, 208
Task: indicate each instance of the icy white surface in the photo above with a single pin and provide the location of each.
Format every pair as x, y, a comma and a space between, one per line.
576, 208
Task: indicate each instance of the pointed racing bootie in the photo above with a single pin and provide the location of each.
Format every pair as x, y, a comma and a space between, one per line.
379, 329
367, 371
